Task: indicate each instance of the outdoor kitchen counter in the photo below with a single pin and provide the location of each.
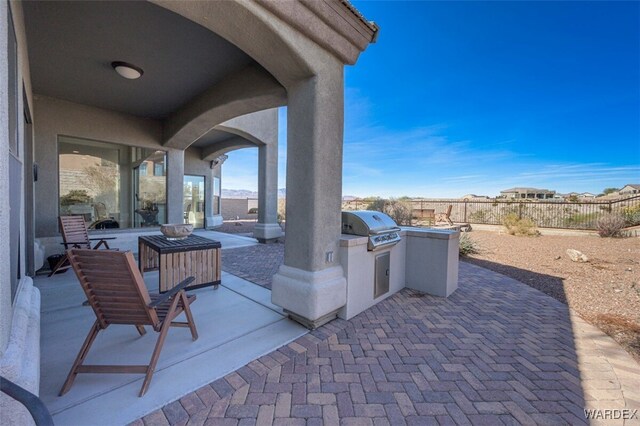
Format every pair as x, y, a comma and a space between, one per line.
441, 234
358, 264
432, 260
348, 240
425, 260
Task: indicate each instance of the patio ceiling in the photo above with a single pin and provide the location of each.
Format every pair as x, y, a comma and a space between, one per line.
72, 44
213, 137
218, 142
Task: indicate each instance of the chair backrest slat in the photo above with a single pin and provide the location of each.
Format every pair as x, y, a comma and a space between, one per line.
74, 229
114, 287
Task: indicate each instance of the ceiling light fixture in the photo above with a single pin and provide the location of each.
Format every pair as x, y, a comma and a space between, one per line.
127, 70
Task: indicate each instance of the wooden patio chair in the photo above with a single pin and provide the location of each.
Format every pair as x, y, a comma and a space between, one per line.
445, 217
75, 235
117, 293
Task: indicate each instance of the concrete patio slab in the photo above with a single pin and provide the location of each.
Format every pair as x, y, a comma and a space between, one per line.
236, 324
228, 240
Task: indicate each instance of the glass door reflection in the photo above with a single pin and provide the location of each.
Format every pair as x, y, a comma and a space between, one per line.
194, 200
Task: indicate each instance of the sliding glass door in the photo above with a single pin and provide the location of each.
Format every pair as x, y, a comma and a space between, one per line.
111, 185
194, 200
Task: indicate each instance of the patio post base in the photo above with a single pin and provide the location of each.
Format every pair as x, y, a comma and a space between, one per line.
311, 298
312, 324
267, 232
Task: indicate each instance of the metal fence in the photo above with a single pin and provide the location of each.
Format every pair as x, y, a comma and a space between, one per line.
544, 213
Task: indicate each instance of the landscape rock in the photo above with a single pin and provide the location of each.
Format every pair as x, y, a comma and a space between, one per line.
577, 256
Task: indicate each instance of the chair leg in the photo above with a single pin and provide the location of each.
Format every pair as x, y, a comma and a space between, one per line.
60, 265
156, 352
101, 243
84, 350
141, 330
187, 312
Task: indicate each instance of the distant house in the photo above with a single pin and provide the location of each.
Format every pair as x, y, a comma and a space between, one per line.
629, 189
474, 197
528, 193
586, 195
574, 195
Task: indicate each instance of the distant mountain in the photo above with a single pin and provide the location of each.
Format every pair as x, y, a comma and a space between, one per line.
239, 193
245, 193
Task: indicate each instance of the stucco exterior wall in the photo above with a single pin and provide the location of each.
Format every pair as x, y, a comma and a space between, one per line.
20, 318
55, 117
5, 283
58, 117
233, 208
23, 79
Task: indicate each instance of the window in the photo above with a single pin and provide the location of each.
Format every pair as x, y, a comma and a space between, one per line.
15, 165
109, 184
12, 56
216, 195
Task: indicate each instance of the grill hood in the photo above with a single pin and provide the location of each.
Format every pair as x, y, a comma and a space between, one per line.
380, 228
366, 222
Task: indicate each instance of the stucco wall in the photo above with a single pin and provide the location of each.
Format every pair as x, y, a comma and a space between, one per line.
5, 283
55, 117
23, 79
20, 321
233, 208
58, 117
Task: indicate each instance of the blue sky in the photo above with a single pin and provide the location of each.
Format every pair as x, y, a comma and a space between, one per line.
475, 97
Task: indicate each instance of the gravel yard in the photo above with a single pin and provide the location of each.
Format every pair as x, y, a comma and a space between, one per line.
605, 291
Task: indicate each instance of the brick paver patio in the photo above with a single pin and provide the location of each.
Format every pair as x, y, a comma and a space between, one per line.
495, 352
257, 264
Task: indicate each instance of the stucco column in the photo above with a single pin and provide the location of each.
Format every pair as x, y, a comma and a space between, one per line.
267, 228
311, 284
5, 282
175, 186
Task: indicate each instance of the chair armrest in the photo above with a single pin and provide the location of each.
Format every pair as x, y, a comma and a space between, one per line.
75, 244
102, 238
169, 294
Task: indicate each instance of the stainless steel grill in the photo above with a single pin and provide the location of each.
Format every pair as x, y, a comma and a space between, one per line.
379, 227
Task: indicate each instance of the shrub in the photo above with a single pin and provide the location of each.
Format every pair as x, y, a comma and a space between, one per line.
253, 210
631, 215
75, 196
282, 210
468, 245
479, 216
610, 225
377, 204
517, 226
398, 210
